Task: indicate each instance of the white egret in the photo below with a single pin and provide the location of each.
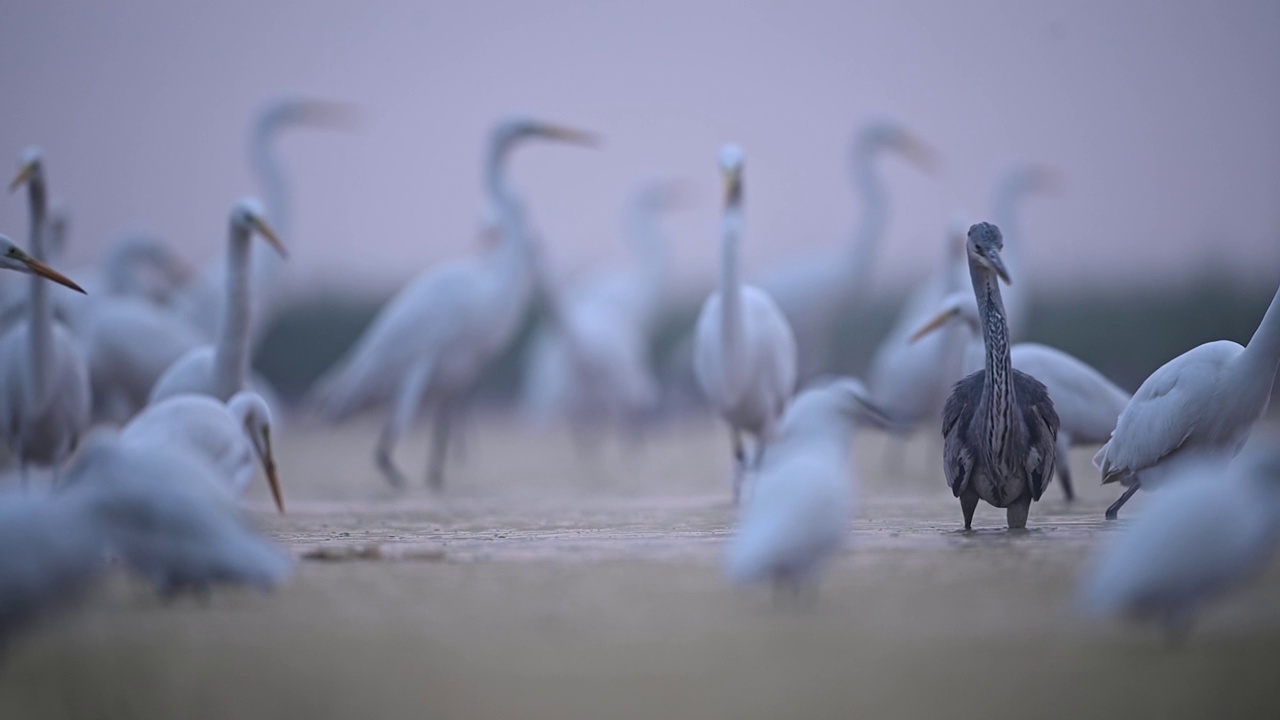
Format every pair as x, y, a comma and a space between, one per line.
431, 341
1214, 528
232, 437
168, 516
744, 353
591, 363
1087, 402
999, 427
796, 513
1205, 401
221, 370
44, 381
1014, 186
201, 304
814, 292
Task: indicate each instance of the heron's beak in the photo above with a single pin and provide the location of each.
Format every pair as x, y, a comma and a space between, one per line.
997, 265
269, 467
24, 175
568, 134
269, 234
942, 318
918, 152
38, 268
732, 186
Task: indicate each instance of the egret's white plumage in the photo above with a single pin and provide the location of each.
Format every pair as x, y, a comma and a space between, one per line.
1205, 401
797, 511
430, 342
234, 437
168, 516
815, 291
1214, 527
44, 379
744, 351
1087, 402
221, 369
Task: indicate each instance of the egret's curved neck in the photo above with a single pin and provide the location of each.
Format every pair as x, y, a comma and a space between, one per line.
731, 322
875, 208
40, 323
1263, 349
997, 388
514, 258
231, 354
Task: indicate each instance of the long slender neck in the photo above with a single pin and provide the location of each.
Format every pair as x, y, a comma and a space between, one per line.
40, 324
731, 324
871, 227
231, 354
1264, 346
997, 388
515, 257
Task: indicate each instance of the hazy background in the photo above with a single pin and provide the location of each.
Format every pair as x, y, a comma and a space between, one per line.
1161, 117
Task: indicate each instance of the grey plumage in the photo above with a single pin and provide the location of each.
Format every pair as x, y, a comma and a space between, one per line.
999, 426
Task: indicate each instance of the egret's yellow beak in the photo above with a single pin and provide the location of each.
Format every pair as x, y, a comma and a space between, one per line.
38, 268
269, 234
568, 134
269, 467
918, 152
943, 318
24, 175
331, 114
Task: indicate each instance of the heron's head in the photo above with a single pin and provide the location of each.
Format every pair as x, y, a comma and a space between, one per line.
248, 216
255, 417
13, 257
892, 136
30, 168
984, 246
732, 159
956, 306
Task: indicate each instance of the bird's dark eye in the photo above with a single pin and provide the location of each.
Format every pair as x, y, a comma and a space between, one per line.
13, 252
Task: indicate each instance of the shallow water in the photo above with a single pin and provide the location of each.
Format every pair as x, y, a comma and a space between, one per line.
545, 583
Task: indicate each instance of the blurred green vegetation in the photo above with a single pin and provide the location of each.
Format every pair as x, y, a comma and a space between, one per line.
1124, 332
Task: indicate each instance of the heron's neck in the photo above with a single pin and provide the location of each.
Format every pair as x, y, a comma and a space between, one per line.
231, 354
1264, 347
40, 323
997, 388
871, 226
731, 330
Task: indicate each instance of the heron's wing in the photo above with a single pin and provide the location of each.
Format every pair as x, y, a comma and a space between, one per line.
1042, 430
957, 414
1165, 411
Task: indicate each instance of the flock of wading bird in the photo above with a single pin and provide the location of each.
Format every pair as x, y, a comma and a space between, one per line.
165, 355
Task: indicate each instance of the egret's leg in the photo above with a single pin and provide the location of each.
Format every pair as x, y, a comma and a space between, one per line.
440, 443
968, 503
1063, 465
402, 417
1114, 510
1018, 511
739, 463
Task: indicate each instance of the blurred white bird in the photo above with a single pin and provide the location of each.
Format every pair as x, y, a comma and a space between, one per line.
1213, 528
814, 292
744, 353
44, 380
168, 516
430, 342
1205, 401
202, 303
1087, 402
797, 510
221, 370
232, 437
590, 364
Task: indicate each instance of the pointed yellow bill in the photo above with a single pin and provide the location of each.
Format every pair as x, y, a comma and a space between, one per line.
49, 273
23, 176
269, 467
942, 319
568, 134
269, 234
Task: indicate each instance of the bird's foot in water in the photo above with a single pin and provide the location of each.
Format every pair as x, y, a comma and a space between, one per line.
389, 470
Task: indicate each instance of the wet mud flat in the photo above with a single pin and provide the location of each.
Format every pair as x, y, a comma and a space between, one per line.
549, 584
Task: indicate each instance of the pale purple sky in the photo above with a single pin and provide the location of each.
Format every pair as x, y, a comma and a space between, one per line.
1161, 116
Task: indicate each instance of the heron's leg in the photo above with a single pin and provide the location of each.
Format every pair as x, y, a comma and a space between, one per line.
440, 442
968, 503
403, 415
1063, 465
1018, 511
1114, 510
